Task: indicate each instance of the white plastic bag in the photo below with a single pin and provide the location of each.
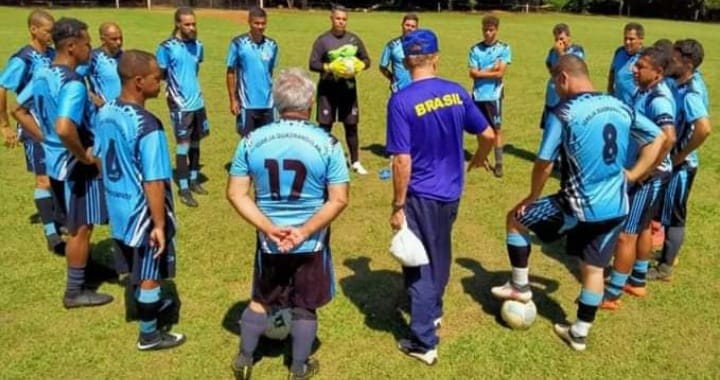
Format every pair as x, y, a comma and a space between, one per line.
407, 248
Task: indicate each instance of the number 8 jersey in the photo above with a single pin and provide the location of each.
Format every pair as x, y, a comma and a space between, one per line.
591, 132
291, 163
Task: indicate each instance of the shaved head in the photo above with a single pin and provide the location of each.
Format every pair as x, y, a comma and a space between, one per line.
135, 63
39, 17
108, 27
570, 65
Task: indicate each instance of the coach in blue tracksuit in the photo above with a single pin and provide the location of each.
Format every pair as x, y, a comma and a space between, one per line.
425, 124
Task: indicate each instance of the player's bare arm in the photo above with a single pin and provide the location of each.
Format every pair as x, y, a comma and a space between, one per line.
700, 134
540, 173
155, 194
67, 132
231, 82
646, 159
9, 133
338, 195
238, 193
401, 169
28, 123
485, 144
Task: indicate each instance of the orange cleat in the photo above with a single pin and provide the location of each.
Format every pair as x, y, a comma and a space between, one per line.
611, 305
635, 291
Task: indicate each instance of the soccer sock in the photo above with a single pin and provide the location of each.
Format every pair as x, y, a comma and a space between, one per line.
520, 277
518, 246
44, 204
639, 272
499, 156
148, 303
303, 329
194, 158
587, 308
674, 237
181, 165
252, 325
75, 280
327, 127
614, 287
353, 142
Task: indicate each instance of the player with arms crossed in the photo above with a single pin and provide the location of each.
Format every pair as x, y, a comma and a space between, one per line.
179, 58
621, 83
391, 59
250, 63
301, 184
592, 202
102, 73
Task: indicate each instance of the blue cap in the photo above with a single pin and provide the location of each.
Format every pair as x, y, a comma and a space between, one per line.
420, 42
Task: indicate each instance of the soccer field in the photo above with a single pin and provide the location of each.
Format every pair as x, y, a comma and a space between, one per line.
671, 334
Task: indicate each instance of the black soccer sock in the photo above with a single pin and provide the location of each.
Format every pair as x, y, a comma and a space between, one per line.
327, 127
353, 142
148, 304
674, 237
45, 207
303, 329
181, 165
588, 304
499, 156
252, 325
518, 247
194, 158
75, 281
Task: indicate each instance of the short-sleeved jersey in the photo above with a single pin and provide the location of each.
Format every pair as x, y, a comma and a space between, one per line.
691, 99
181, 61
551, 97
483, 57
132, 146
291, 162
593, 132
657, 104
254, 64
621, 67
22, 66
392, 59
426, 120
59, 92
103, 74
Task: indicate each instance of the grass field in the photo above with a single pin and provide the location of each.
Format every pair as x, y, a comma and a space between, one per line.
672, 334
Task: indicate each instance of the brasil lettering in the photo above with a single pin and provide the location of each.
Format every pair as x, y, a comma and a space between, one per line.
434, 104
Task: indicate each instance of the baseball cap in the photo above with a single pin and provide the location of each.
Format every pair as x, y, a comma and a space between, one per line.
420, 42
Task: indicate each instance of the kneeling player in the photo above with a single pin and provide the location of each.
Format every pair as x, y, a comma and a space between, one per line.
301, 181
136, 169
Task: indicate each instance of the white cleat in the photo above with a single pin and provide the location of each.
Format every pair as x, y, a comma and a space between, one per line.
508, 291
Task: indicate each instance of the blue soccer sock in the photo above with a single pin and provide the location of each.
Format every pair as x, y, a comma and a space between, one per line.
587, 308
303, 330
639, 272
44, 204
193, 176
75, 281
148, 304
614, 287
252, 325
181, 165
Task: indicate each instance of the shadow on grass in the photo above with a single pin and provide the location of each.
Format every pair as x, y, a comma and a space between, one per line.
266, 347
100, 267
376, 149
556, 251
479, 284
202, 178
527, 156
168, 316
379, 295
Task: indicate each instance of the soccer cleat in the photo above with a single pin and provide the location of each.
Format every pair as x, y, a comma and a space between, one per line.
161, 340
662, 272
498, 170
35, 218
197, 188
407, 347
358, 168
241, 370
86, 298
508, 291
187, 199
635, 291
438, 323
612, 305
310, 369
56, 244
577, 343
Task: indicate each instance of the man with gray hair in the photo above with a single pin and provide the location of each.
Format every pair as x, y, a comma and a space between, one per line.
301, 184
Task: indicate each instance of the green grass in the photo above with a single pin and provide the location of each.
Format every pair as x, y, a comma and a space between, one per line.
671, 334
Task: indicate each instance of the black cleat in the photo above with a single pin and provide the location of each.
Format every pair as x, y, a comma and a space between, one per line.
310, 369
498, 171
241, 370
35, 218
187, 199
56, 244
197, 188
161, 340
86, 298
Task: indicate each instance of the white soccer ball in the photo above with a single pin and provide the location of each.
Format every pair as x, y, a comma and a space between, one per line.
518, 315
278, 324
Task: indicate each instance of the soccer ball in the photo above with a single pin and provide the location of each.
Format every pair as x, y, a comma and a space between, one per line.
278, 324
518, 315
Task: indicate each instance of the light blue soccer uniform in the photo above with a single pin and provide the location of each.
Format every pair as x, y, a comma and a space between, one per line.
392, 59
16, 77
488, 93
133, 148
181, 61
621, 67
103, 74
253, 64
551, 97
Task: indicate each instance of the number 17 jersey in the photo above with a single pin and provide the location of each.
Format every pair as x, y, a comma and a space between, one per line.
291, 162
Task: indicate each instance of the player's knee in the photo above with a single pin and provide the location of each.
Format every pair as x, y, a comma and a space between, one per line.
42, 182
299, 313
512, 224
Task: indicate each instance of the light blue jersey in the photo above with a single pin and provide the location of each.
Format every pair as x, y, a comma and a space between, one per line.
621, 67
59, 92
103, 74
692, 104
593, 131
133, 149
551, 97
254, 64
21, 67
483, 57
392, 59
657, 104
291, 163
181, 62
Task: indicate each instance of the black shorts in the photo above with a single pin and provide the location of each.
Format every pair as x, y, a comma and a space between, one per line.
249, 120
34, 157
293, 280
337, 102
593, 242
492, 110
80, 201
189, 125
677, 192
139, 262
